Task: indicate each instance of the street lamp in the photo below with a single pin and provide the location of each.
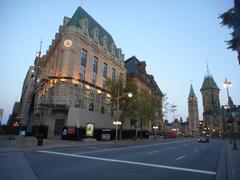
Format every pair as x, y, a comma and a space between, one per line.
230, 108
117, 122
227, 84
155, 128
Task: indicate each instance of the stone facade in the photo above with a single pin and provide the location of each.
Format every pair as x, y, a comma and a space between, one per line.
136, 71
212, 117
70, 80
193, 116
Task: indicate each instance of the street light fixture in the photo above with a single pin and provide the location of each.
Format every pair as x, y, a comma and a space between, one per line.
227, 84
117, 122
230, 107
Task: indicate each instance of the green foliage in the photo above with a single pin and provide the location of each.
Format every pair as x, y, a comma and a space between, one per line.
229, 19
142, 106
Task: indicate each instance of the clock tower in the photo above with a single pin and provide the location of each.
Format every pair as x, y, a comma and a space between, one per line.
193, 112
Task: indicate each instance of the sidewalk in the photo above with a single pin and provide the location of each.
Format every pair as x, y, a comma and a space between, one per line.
9, 145
233, 161
229, 163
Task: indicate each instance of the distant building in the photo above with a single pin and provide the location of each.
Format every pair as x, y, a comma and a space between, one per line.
27, 98
14, 119
212, 117
136, 71
193, 112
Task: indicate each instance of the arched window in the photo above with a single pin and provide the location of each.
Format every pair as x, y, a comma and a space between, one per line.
91, 107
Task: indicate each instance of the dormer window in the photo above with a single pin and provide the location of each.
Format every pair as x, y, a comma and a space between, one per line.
96, 35
105, 42
113, 49
84, 24
119, 53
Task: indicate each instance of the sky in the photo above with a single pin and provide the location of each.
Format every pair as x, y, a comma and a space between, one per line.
175, 38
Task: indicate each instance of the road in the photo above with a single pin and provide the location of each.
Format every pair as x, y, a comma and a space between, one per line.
185, 159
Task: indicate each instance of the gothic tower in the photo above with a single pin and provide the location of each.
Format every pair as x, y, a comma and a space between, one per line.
211, 104
193, 112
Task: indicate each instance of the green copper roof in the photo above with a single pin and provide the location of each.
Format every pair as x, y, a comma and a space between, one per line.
209, 83
192, 93
82, 14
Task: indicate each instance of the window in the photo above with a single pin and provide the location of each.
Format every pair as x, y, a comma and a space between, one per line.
95, 64
94, 78
113, 74
113, 49
95, 69
105, 70
104, 83
96, 34
84, 58
91, 107
102, 110
105, 41
85, 26
83, 64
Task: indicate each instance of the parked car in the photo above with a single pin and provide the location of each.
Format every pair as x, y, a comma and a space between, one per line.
203, 139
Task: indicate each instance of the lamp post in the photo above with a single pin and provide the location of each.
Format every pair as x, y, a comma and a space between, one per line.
117, 122
231, 111
227, 84
155, 128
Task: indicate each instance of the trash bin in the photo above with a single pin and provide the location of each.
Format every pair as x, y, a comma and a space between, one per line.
40, 140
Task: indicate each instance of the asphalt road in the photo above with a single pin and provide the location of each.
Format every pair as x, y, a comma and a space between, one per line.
185, 159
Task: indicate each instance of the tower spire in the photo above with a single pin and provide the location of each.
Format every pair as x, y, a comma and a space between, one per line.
208, 74
40, 49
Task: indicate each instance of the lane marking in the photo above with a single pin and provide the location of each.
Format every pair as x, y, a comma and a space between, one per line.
132, 147
195, 150
181, 157
152, 152
132, 162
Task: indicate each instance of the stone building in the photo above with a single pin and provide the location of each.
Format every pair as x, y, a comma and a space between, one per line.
69, 81
136, 71
193, 117
212, 117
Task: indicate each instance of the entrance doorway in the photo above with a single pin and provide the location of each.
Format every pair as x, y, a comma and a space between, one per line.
59, 124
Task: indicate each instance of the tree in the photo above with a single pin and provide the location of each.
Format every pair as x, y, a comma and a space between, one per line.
231, 19
141, 107
127, 106
146, 109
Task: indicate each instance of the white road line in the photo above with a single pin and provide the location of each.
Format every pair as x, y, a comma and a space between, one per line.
132, 147
132, 162
195, 150
152, 152
181, 157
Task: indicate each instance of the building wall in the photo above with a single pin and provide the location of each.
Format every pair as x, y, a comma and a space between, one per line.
60, 84
193, 115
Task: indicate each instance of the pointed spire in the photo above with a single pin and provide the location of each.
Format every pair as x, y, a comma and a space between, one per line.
192, 93
40, 49
208, 73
